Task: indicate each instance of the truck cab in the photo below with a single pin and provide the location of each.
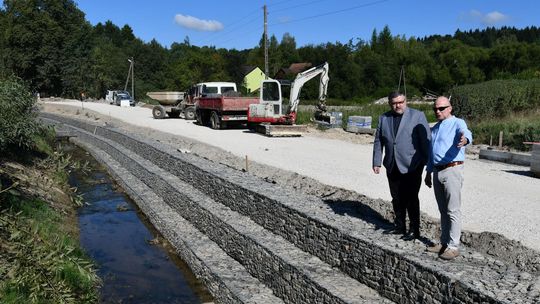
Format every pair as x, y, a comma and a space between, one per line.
205, 88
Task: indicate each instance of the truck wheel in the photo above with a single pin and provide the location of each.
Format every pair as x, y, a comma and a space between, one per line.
158, 112
189, 113
215, 121
199, 117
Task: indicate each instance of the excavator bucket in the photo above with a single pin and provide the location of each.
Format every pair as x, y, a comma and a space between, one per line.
281, 130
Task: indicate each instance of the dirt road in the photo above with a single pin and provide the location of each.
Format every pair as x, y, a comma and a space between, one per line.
497, 197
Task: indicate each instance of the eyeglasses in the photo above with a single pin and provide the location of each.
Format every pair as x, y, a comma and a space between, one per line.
397, 103
435, 109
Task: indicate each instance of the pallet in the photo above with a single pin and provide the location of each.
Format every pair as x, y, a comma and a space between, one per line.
281, 130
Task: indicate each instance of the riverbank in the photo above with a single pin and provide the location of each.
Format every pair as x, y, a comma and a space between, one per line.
40, 256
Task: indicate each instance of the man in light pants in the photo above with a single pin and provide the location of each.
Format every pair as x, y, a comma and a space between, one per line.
448, 140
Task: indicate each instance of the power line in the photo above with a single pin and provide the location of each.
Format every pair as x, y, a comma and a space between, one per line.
332, 12
298, 5
231, 29
278, 3
293, 21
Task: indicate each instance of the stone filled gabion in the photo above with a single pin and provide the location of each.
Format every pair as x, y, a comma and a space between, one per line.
397, 270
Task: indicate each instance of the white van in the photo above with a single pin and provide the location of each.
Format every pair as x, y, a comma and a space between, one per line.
215, 87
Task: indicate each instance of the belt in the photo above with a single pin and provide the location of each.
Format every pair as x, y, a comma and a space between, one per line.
451, 164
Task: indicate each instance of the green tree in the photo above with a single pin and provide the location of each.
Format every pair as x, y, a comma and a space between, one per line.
39, 38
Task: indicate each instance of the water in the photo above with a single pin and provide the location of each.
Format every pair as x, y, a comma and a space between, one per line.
120, 240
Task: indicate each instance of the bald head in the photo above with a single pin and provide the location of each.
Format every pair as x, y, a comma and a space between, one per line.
442, 108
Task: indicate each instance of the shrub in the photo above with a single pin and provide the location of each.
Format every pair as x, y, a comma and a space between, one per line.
517, 128
496, 98
18, 125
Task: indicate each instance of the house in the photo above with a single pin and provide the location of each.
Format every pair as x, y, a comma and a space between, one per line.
253, 78
292, 70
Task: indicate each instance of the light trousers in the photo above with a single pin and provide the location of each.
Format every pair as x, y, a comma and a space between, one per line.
447, 185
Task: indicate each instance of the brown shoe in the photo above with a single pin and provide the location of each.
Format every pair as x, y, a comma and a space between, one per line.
449, 254
437, 248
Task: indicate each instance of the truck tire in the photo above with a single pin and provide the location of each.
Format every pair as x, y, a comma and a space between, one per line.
199, 117
158, 112
215, 121
189, 113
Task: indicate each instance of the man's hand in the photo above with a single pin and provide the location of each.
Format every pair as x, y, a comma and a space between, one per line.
376, 170
427, 180
463, 141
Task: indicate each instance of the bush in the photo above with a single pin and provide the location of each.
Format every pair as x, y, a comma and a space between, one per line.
18, 125
516, 129
496, 98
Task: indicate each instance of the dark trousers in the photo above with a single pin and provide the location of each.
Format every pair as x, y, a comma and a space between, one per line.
404, 190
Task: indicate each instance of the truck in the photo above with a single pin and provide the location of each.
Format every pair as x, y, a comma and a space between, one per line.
272, 117
170, 104
221, 110
175, 104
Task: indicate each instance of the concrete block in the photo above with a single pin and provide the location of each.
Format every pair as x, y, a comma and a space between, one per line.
535, 160
521, 159
355, 124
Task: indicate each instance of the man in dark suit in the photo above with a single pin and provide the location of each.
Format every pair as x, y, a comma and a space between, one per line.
404, 135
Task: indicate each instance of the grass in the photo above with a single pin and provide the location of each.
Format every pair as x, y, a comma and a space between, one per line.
41, 262
40, 257
373, 110
516, 127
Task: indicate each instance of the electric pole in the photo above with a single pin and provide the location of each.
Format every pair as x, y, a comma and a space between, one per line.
132, 78
131, 72
265, 43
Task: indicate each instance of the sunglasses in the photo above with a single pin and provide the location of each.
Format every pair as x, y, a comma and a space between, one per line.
440, 109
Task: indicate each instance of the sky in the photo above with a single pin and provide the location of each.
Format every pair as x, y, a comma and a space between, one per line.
239, 24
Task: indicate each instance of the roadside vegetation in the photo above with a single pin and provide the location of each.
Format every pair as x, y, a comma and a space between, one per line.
509, 106
40, 257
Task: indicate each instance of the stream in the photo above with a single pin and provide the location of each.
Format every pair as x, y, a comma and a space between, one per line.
134, 262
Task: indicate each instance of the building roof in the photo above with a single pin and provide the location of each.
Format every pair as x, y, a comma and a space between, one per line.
293, 69
246, 69
296, 68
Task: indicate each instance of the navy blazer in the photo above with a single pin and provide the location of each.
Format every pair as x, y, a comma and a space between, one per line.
410, 145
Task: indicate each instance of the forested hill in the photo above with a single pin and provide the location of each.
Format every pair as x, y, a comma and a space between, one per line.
51, 45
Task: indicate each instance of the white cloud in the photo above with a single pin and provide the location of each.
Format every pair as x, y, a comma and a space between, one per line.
494, 18
489, 19
198, 24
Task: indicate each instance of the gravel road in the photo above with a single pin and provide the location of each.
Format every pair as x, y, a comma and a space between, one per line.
496, 197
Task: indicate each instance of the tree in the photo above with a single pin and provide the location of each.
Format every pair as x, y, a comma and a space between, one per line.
40, 37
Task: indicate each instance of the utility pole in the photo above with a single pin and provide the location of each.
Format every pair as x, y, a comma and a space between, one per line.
265, 43
132, 78
131, 72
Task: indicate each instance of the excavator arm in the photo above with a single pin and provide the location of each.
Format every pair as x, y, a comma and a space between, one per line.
306, 76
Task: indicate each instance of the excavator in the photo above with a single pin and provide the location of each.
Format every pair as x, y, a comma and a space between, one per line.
273, 118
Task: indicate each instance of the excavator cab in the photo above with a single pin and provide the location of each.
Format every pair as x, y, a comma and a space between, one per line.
270, 111
270, 105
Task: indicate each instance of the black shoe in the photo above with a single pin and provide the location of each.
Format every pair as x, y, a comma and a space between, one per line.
395, 231
411, 236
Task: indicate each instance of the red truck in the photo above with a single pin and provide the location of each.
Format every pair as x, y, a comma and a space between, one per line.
220, 110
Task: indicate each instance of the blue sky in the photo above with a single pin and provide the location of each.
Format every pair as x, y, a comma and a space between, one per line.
239, 24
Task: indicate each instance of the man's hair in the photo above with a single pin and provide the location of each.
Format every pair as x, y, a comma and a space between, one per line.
393, 95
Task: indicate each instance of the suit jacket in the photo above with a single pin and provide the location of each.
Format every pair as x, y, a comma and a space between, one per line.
409, 147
